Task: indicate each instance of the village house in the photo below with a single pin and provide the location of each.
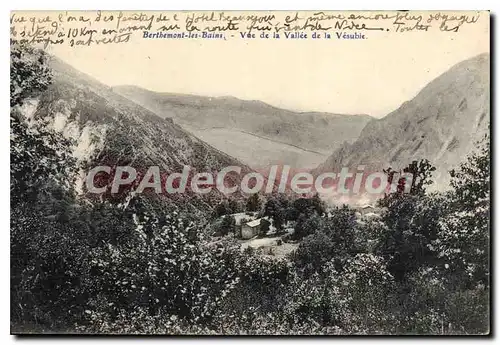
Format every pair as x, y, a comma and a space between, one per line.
365, 209
248, 226
240, 219
250, 229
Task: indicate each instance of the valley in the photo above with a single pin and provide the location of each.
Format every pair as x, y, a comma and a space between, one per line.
256, 133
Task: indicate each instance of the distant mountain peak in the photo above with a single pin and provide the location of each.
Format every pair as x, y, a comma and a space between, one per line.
258, 133
442, 123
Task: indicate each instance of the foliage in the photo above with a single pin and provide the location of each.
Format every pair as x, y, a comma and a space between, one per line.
264, 227
227, 225
38, 155
253, 203
331, 240
465, 232
274, 210
29, 73
412, 226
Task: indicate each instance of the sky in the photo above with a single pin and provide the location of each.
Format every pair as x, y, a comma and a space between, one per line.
372, 76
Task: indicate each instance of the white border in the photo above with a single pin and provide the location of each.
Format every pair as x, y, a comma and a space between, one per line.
207, 5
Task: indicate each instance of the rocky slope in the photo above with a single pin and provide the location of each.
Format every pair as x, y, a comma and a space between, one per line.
109, 129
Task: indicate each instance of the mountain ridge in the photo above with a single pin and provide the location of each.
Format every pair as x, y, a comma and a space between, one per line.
112, 130
441, 123
220, 121
230, 98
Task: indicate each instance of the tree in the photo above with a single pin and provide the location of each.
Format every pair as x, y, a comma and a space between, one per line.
412, 221
48, 239
308, 207
234, 206
318, 205
465, 235
38, 155
422, 172
29, 73
274, 210
227, 225
306, 226
471, 181
412, 225
330, 239
264, 227
221, 209
253, 203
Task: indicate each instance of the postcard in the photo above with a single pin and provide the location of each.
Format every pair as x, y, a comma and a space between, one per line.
250, 173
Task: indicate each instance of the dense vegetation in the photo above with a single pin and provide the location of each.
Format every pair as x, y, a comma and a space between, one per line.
422, 267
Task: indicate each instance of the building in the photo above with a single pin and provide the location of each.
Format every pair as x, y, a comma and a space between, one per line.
242, 218
365, 209
250, 229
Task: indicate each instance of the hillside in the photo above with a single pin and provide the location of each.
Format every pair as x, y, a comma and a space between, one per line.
111, 130
252, 131
442, 123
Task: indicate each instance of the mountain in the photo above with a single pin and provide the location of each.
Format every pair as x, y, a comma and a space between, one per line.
110, 129
254, 132
442, 123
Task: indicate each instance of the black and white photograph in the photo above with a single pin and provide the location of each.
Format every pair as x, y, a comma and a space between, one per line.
272, 173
